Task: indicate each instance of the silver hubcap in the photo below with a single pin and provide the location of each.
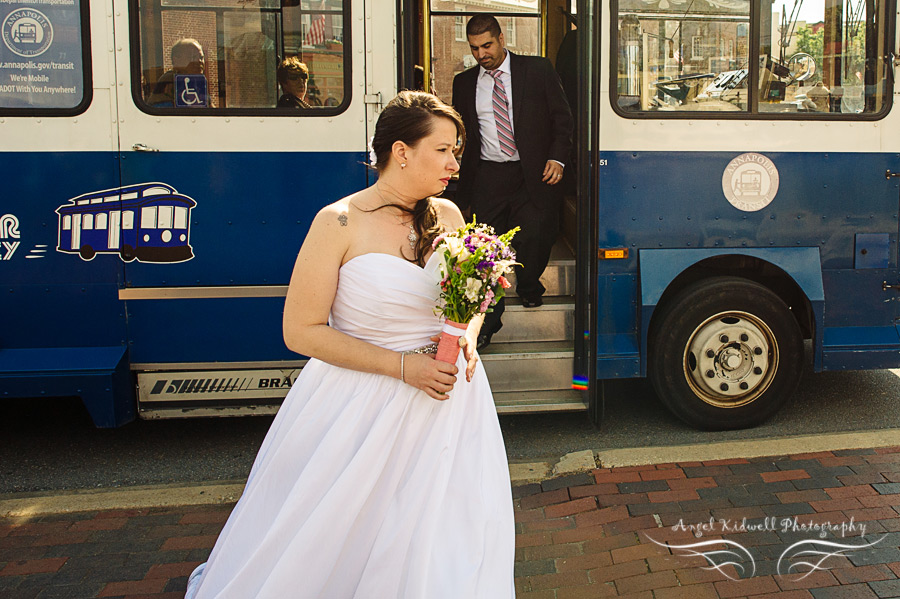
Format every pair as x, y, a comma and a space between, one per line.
730, 359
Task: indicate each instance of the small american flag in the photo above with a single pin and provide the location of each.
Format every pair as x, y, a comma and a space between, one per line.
315, 35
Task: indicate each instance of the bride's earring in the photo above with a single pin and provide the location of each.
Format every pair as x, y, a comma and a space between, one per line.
402, 165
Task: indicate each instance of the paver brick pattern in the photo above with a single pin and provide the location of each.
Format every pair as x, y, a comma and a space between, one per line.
613, 532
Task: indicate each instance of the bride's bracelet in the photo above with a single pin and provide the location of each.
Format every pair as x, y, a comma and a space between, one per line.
431, 348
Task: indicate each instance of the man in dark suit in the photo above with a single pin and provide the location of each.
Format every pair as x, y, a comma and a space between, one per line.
519, 137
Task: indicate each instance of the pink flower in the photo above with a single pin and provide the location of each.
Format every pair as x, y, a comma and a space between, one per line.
487, 300
504, 282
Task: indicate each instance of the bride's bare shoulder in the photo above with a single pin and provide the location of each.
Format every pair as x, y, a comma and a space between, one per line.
336, 217
448, 213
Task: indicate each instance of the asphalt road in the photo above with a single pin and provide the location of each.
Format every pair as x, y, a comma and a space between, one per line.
52, 445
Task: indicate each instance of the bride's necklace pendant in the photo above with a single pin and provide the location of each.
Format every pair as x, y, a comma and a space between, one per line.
413, 237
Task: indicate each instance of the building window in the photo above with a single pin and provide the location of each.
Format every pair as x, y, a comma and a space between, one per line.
459, 27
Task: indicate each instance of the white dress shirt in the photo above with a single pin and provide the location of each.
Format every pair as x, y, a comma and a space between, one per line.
484, 108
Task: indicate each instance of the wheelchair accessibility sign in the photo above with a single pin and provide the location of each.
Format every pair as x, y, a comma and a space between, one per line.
190, 91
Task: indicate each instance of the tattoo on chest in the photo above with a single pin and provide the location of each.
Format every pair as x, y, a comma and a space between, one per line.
343, 220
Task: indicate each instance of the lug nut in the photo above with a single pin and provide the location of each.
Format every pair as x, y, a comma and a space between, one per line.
723, 387
710, 374
724, 338
710, 353
744, 385
744, 337
757, 351
757, 370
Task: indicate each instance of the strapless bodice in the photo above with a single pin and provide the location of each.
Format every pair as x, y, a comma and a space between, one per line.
388, 301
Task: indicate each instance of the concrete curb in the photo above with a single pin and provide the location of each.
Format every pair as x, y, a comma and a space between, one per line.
36, 504
54, 502
753, 448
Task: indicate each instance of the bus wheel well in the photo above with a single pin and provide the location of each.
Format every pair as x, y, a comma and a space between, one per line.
753, 269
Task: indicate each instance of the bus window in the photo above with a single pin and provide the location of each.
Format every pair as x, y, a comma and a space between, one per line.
165, 217
44, 58
181, 215
156, 191
101, 220
88, 222
450, 53
224, 55
67, 222
823, 60
127, 220
684, 56
816, 57
148, 217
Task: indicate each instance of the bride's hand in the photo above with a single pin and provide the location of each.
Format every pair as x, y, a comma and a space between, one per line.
432, 376
469, 344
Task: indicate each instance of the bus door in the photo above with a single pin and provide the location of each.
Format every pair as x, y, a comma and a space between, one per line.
239, 121
531, 361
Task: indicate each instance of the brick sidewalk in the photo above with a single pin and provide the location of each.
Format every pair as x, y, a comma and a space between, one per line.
578, 536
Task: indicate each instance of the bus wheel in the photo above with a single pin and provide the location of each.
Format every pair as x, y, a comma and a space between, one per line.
87, 252
127, 253
725, 353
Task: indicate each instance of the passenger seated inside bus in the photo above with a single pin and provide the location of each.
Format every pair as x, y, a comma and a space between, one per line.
293, 77
187, 59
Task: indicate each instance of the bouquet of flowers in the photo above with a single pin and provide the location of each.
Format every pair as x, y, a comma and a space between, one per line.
474, 262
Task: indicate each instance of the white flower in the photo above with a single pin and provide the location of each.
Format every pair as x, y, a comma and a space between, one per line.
373, 159
473, 287
456, 248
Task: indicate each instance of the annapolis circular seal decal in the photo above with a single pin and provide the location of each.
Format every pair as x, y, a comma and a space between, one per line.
27, 32
750, 182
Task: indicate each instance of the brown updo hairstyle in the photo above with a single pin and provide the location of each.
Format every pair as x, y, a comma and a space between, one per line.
409, 118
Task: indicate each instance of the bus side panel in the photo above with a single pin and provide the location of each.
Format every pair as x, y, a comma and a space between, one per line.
64, 328
253, 210
207, 330
55, 299
239, 235
657, 200
618, 354
860, 333
676, 200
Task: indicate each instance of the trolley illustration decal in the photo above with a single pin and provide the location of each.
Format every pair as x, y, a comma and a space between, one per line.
149, 222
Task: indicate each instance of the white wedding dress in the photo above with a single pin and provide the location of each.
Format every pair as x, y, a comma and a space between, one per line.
365, 487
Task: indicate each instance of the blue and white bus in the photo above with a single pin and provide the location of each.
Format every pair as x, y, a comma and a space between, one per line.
733, 194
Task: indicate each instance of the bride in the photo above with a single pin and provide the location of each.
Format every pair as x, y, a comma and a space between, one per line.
383, 476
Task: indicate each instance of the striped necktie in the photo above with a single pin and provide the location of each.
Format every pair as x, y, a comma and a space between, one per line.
501, 115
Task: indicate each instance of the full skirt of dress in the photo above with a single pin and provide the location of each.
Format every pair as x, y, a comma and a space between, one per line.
364, 486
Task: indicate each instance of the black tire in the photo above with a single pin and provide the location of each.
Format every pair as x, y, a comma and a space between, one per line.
725, 353
87, 252
127, 253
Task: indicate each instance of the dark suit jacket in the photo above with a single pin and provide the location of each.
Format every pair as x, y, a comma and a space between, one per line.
542, 124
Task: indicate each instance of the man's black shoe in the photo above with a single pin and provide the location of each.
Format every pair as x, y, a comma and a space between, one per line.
484, 340
532, 302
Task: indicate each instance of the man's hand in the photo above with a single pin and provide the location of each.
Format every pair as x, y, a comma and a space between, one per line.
553, 172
